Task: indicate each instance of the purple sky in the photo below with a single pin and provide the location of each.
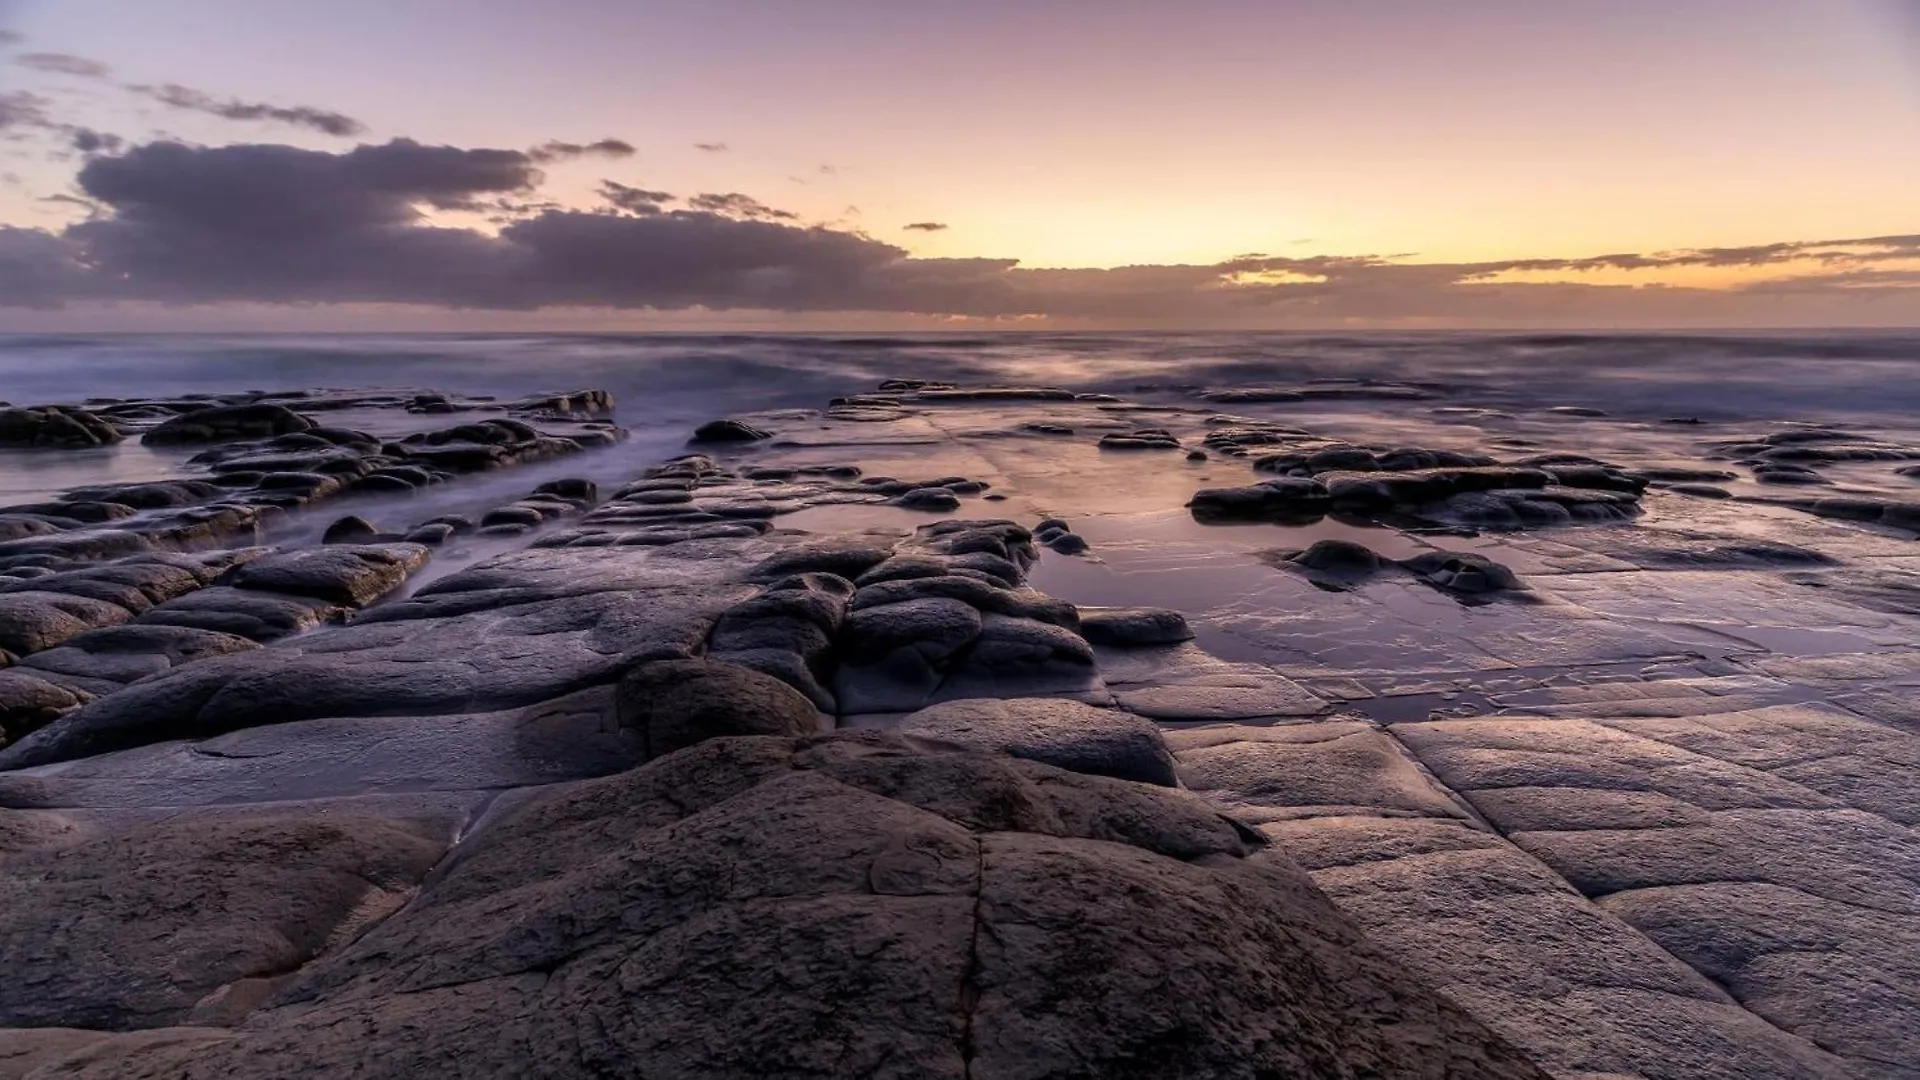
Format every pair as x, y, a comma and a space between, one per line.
1394, 160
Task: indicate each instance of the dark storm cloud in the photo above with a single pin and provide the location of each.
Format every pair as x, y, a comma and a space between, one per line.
926, 226
277, 224
632, 199
64, 64
711, 147
565, 151
325, 121
40, 270
735, 204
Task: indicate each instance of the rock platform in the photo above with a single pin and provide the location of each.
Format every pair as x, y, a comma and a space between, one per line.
964, 731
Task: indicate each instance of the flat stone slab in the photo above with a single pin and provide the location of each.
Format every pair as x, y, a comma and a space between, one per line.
1308, 770
1224, 696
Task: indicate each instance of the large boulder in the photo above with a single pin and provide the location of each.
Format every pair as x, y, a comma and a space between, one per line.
830, 906
153, 923
675, 704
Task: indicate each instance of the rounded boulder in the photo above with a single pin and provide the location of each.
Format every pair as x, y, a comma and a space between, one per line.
674, 704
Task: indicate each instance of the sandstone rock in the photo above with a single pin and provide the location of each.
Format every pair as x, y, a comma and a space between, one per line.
353, 576
728, 431
28, 702
249, 613
724, 893
34, 620
1335, 565
931, 499
1283, 499
241, 900
933, 628
225, 422
125, 654
675, 704
1467, 575
1064, 734
847, 558
1144, 439
1133, 627
54, 427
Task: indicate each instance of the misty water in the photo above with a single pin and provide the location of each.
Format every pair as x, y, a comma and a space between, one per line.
667, 384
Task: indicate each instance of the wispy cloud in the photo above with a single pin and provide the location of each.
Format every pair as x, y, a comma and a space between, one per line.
19, 109
926, 226
632, 199
325, 121
555, 150
64, 64
9, 38
737, 205
711, 147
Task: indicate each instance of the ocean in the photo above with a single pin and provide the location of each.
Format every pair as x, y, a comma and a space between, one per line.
665, 385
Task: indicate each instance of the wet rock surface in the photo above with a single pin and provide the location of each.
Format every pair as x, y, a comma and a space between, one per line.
1392, 736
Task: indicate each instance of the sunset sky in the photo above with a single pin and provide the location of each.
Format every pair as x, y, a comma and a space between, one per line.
891, 163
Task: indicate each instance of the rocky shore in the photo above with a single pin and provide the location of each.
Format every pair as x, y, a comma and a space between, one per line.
987, 731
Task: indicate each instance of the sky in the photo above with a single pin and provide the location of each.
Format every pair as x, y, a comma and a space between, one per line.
605, 164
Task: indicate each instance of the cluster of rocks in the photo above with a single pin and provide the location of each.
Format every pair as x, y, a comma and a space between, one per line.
1141, 439
1359, 483
55, 427
1058, 536
1342, 565
576, 809
694, 498
555, 500
268, 461
946, 615
75, 635
198, 418
878, 625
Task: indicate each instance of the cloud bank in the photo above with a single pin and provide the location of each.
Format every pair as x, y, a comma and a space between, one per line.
382, 223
